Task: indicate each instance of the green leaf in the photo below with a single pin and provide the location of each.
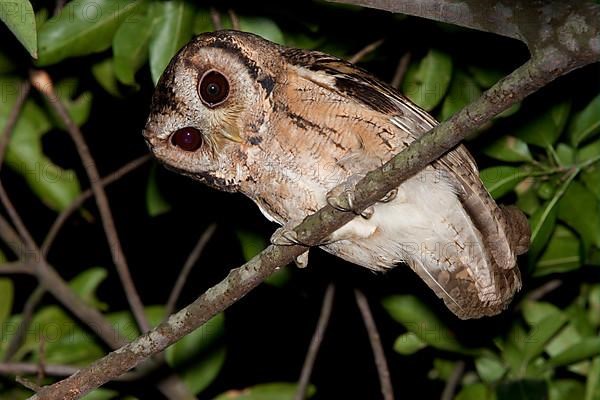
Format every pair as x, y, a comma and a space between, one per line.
193, 357
579, 209
485, 77
420, 320
561, 255
55, 186
565, 155
542, 333
542, 222
545, 127
501, 180
463, 91
82, 27
490, 368
592, 387
586, 348
203, 22
125, 324
19, 17
566, 389
251, 243
104, 72
408, 343
263, 27
86, 283
525, 389
588, 152
591, 179
527, 199
426, 83
6, 298
265, 391
509, 149
156, 204
475, 391
173, 28
65, 342
535, 311
131, 42
586, 123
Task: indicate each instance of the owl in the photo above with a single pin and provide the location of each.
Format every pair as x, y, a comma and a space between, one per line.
291, 129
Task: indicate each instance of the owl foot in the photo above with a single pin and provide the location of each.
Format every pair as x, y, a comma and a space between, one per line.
302, 260
341, 197
285, 236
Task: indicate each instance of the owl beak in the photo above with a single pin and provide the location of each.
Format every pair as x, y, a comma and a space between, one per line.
233, 136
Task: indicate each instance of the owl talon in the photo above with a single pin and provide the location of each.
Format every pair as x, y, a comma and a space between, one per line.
302, 260
391, 195
285, 237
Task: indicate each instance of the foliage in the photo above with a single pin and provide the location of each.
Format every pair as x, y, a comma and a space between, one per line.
543, 155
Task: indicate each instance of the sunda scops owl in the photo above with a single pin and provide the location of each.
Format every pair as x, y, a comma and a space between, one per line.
286, 127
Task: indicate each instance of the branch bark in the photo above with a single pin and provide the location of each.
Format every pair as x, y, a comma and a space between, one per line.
547, 64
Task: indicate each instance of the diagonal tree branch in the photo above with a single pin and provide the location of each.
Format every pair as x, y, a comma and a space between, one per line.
547, 64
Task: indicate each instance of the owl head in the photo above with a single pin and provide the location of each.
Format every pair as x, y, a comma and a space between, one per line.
210, 103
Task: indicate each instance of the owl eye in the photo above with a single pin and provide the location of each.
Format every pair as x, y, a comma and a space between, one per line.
188, 139
213, 88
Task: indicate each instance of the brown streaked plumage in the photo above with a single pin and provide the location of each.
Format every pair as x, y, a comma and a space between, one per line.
294, 125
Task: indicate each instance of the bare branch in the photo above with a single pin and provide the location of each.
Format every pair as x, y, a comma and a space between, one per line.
380, 362
235, 21
315, 343
453, 380
362, 53
400, 70
216, 19
12, 119
42, 82
26, 316
19, 368
15, 267
187, 267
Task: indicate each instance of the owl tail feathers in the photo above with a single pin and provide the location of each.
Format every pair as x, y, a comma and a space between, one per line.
462, 295
517, 227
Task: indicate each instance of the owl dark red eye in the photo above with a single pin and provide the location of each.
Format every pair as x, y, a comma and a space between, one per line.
213, 88
188, 139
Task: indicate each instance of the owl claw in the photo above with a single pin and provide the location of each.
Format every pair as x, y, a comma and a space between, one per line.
341, 198
302, 260
285, 237
391, 195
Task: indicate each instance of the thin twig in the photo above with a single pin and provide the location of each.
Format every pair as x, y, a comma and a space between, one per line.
543, 290
216, 19
401, 70
75, 204
315, 343
453, 381
43, 83
380, 362
26, 317
13, 117
187, 267
362, 53
18, 368
15, 267
235, 21
42, 360
28, 384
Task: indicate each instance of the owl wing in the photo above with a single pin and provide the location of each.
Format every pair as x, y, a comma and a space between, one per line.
504, 230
